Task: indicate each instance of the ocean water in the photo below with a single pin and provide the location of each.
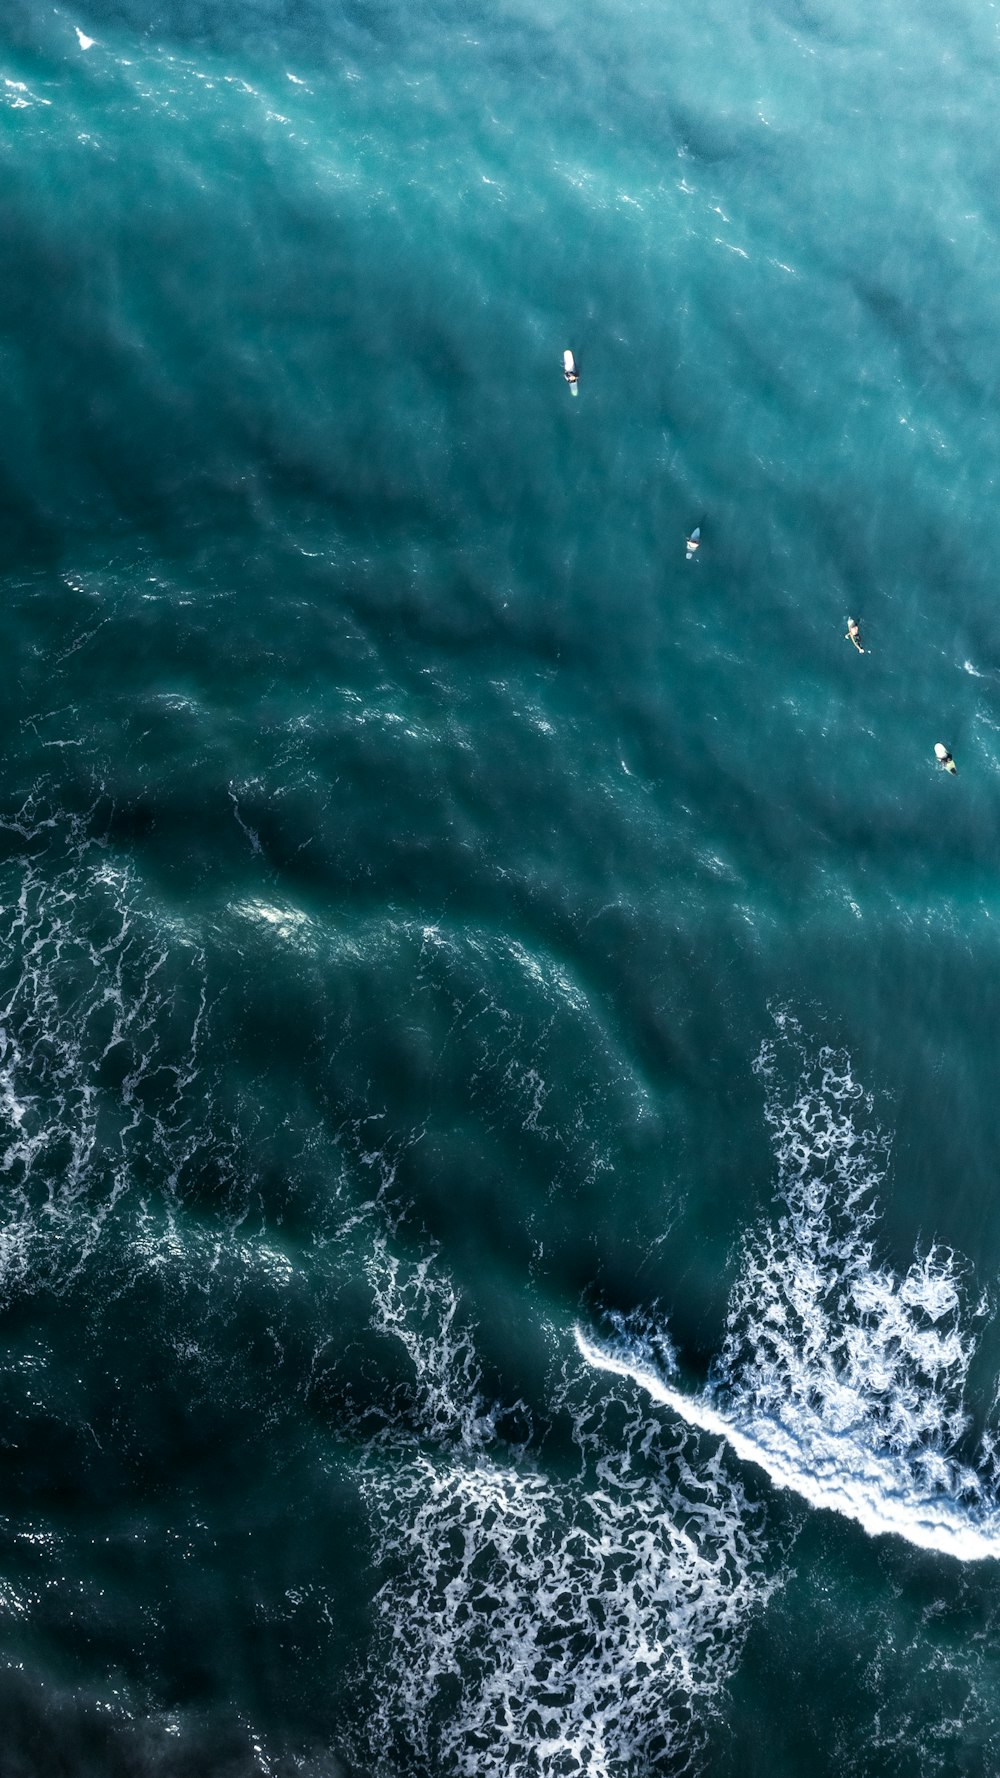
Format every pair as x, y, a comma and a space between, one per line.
499, 1230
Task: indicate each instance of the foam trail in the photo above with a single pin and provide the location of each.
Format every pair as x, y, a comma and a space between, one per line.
862, 1492
562, 1625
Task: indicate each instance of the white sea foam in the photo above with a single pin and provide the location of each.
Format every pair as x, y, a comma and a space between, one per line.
287, 923
825, 1470
251, 833
418, 1306
16, 95
842, 1379
539, 1622
92, 999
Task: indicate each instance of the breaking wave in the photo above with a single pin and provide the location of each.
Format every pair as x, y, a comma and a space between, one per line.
841, 1378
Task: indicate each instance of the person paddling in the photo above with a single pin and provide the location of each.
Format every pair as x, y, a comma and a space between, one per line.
570, 370
693, 543
854, 635
943, 757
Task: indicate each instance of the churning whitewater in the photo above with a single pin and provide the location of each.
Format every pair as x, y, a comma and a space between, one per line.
843, 1381
538, 1621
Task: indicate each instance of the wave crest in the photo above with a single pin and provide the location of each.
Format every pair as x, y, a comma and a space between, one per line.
844, 1379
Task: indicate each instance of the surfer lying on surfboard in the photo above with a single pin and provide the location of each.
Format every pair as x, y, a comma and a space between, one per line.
569, 369
854, 635
693, 543
944, 757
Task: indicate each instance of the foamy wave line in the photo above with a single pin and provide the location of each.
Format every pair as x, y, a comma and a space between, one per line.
827, 1471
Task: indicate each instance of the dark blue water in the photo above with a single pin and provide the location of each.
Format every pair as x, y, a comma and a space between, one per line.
498, 1130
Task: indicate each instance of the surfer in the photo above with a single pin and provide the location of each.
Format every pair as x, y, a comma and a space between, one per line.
570, 370
854, 635
944, 757
693, 543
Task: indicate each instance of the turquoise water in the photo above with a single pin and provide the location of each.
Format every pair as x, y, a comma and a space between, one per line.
498, 1229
